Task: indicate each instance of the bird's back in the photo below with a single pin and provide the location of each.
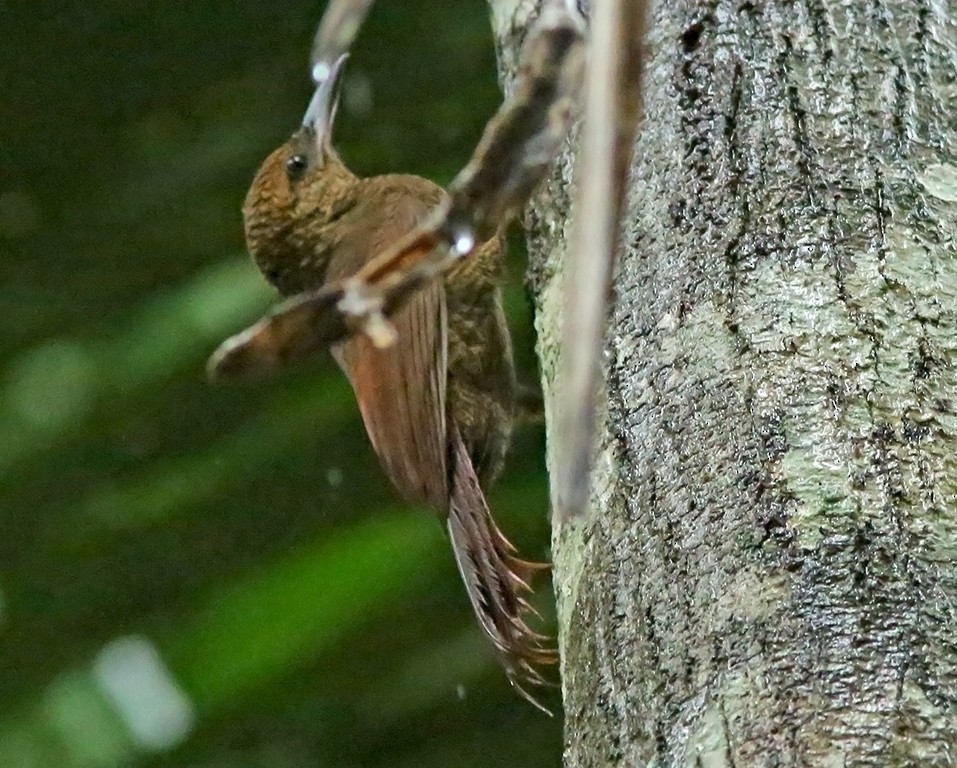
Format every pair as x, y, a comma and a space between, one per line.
453, 349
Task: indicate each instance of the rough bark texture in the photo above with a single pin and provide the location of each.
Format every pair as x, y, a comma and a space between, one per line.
769, 573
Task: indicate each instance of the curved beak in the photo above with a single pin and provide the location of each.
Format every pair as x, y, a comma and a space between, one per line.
322, 107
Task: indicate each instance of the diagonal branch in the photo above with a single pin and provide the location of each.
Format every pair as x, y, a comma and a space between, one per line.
338, 29
512, 157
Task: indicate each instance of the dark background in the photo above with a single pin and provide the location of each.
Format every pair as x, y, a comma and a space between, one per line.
236, 545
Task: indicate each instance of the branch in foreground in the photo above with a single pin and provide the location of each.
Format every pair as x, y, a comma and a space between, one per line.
338, 29
612, 112
511, 159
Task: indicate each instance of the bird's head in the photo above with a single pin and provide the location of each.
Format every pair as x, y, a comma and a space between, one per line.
299, 190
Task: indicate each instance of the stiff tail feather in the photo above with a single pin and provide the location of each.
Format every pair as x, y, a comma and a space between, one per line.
495, 579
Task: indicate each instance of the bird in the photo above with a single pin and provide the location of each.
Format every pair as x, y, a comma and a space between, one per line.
439, 402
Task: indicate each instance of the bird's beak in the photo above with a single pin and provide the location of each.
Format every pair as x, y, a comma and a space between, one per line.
322, 108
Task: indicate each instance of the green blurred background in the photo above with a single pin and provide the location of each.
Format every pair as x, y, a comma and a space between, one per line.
220, 577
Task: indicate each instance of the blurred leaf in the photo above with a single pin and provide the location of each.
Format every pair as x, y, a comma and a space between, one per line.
266, 624
178, 483
54, 386
258, 628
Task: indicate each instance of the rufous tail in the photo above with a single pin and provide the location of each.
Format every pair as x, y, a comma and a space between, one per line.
496, 580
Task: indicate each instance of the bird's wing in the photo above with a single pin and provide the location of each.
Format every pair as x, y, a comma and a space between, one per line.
400, 389
401, 395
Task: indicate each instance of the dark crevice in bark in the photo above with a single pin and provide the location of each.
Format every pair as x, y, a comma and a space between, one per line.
823, 32
798, 118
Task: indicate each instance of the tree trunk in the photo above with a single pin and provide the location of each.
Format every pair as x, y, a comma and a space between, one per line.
768, 574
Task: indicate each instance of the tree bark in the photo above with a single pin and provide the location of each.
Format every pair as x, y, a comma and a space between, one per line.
768, 574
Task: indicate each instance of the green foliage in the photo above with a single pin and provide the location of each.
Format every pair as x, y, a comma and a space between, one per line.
202, 576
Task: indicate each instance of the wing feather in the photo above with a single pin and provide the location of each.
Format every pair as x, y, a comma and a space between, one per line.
401, 389
401, 395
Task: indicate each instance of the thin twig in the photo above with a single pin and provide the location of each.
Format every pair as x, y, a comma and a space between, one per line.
612, 111
338, 29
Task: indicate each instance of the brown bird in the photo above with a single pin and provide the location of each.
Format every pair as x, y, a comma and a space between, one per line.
439, 403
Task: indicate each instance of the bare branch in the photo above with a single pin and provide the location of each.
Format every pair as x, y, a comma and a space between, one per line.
338, 29
511, 159
612, 110
521, 141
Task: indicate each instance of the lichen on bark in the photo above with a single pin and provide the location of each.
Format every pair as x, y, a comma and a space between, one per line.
768, 576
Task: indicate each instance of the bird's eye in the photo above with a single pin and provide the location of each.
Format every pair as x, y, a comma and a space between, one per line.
296, 166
